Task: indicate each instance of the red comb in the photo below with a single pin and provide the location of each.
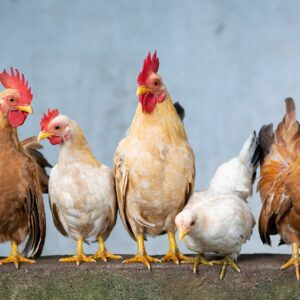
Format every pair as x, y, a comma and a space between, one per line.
17, 82
48, 118
150, 65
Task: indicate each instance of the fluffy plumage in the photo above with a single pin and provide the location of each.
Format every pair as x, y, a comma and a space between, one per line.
280, 173
24, 177
218, 219
81, 189
154, 164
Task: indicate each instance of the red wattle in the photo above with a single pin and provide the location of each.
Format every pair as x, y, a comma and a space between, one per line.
148, 102
55, 140
16, 118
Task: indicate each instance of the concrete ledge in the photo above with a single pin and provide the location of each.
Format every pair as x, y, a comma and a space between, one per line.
261, 278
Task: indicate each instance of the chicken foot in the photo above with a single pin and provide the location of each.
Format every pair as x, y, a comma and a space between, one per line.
174, 254
79, 256
102, 252
15, 257
293, 261
141, 255
226, 261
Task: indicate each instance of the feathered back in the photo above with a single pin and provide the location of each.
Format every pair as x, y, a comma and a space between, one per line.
237, 175
280, 150
32, 147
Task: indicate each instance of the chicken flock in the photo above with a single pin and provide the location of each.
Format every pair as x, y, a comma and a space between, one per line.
152, 184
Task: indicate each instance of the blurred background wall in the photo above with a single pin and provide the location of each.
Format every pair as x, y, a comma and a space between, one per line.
230, 63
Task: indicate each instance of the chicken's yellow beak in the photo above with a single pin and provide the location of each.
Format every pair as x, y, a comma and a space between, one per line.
26, 108
43, 135
183, 233
141, 90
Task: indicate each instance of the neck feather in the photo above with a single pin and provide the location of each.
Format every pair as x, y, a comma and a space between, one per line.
164, 121
76, 149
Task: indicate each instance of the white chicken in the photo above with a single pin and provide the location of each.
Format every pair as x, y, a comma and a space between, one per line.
81, 189
218, 220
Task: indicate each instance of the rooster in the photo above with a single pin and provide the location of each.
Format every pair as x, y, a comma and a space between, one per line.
81, 189
279, 183
154, 167
218, 219
23, 178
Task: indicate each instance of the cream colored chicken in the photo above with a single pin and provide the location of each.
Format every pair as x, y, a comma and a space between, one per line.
154, 167
81, 189
218, 220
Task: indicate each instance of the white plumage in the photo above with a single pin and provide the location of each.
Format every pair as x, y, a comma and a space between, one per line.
218, 220
81, 189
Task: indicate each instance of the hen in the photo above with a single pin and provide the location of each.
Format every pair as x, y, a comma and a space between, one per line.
154, 166
279, 183
23, 175
218, 220
81, 189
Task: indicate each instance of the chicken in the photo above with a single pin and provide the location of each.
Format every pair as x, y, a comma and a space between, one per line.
279, 183
81, 189
218, 219
23, 178
154, 167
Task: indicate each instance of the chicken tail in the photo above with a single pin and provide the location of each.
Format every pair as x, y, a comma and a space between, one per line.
280, 150
252, 152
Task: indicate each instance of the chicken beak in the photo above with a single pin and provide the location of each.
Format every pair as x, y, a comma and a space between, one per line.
141, 90
25, 108
43, 135
183, 233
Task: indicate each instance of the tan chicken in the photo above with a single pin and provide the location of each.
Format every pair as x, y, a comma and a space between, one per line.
81, 189
23, 176
154, 167
279, 183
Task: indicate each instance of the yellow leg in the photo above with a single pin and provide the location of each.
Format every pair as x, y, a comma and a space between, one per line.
15, 257
102, 252
293, 261
79, 256
141, 255
174, 253
196, 261
226, 262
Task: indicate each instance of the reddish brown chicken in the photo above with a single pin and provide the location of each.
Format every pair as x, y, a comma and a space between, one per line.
279, 183
23, 177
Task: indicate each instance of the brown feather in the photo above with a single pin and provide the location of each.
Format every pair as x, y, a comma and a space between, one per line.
280, 174
21, 204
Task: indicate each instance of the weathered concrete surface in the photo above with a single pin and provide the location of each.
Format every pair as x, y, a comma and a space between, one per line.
261, 278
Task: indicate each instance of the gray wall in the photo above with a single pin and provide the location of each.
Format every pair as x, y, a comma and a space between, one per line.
230, 63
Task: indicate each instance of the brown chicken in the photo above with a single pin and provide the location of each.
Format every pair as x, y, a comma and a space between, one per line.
154, 167
279, 183
23, 176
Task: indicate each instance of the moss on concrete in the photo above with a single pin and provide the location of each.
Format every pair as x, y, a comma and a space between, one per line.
261, 278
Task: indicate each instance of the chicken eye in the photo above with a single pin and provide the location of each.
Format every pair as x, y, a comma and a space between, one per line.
193, 222
11, 100
57, 127
156, 82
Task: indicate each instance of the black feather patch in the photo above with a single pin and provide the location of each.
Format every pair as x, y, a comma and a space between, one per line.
180, 110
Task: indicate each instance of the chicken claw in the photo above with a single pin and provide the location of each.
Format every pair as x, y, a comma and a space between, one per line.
15, 257
141, 255
79, 256
196, 261
143, 258
293, 261
102, 252
225, 262
174, 253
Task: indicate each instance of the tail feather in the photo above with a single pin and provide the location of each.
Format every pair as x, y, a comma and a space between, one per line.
252, 152
280, 150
